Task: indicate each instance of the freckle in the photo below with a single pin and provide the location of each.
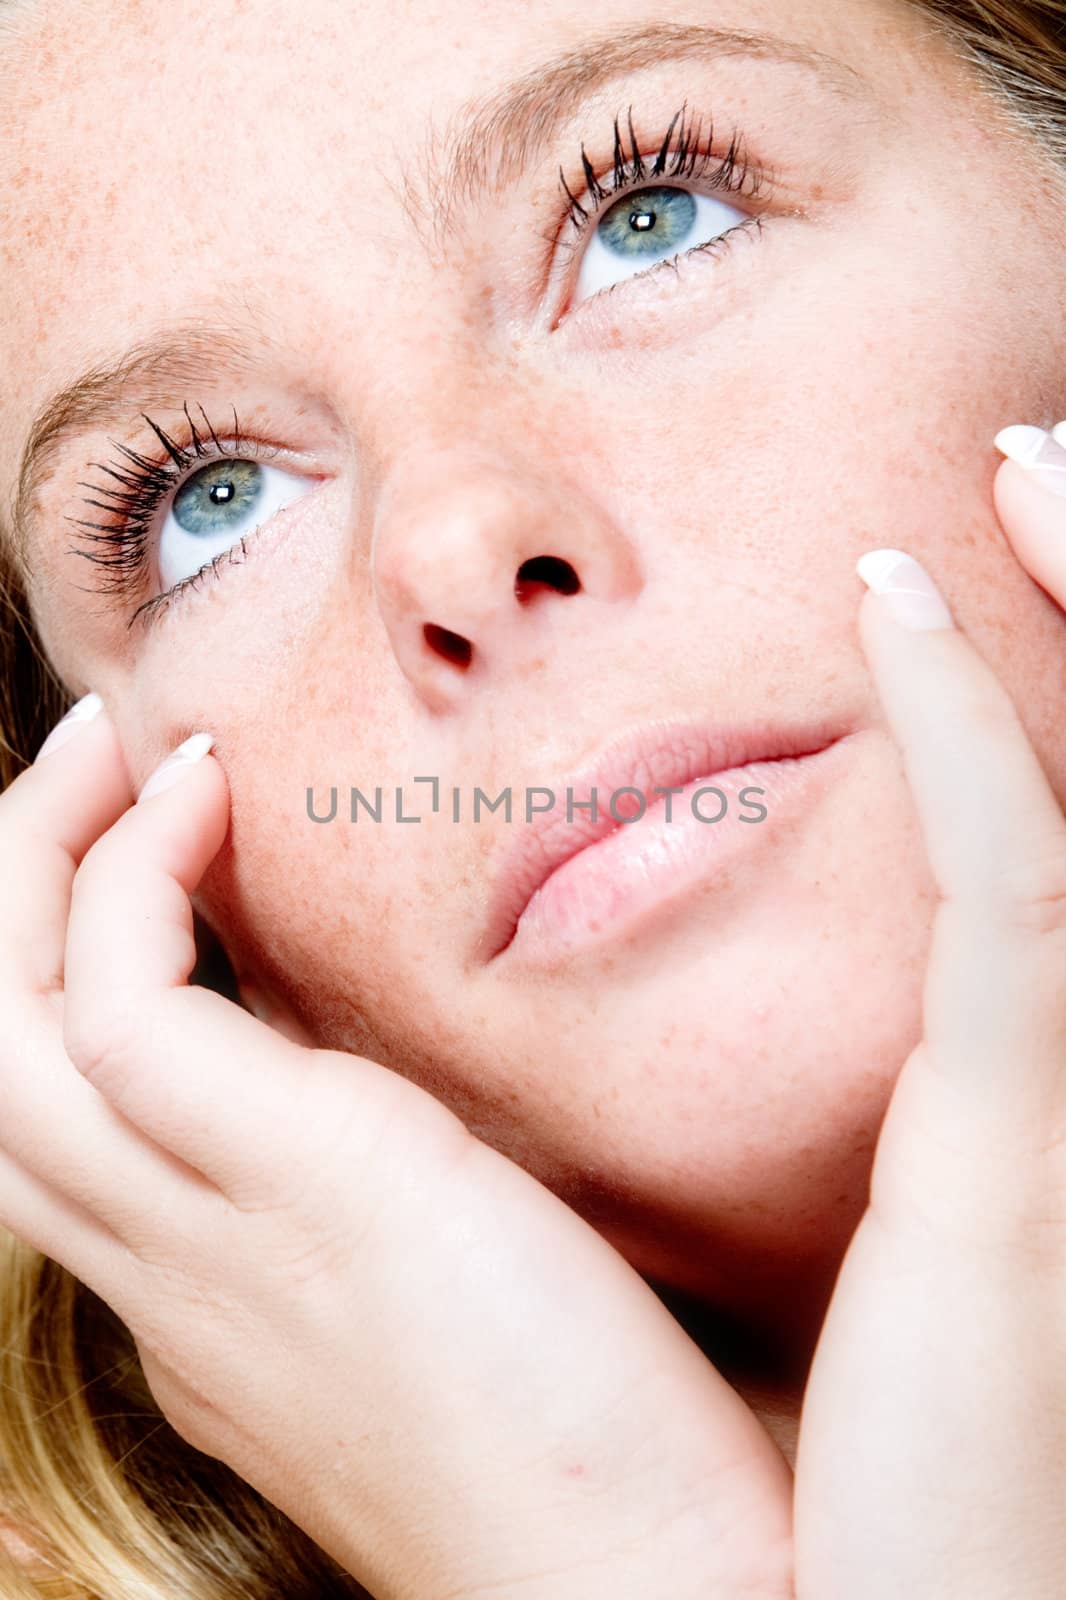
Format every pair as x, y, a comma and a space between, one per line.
576, 1470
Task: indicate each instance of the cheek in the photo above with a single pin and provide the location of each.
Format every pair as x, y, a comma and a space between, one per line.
850, 409
813, 396
341, 917
287, 668
325, 913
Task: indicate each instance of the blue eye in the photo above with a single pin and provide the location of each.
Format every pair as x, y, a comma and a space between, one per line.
209, 511
652, 209
647, 226
215, 508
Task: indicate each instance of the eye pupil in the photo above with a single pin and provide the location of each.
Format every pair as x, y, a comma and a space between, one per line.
656, 219
236, 483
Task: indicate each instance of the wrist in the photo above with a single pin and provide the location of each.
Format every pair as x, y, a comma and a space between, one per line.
571, 1526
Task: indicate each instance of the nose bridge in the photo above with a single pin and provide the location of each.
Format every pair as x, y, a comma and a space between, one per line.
479, 554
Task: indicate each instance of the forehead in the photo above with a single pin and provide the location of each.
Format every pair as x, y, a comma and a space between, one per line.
168, 132
151, 134
251, 150
144, 152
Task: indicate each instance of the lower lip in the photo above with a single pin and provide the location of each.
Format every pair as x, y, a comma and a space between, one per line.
612, 887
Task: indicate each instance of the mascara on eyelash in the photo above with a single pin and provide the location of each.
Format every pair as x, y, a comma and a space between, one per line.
142, 491
690, 159
120, 549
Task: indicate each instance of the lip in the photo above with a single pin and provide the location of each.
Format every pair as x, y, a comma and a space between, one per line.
657, 755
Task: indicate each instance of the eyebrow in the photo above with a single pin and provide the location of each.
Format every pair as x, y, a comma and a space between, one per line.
182, 354
490, 141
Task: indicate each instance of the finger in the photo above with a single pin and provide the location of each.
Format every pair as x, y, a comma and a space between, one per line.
200, 1076
995, 996
59, 1132
1030, 496
49, 816
63, 1145
61, 1229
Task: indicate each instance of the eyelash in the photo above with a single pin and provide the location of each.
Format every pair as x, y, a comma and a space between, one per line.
120, 550
681, 155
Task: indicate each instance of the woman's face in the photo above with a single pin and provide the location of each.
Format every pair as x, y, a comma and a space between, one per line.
347, 226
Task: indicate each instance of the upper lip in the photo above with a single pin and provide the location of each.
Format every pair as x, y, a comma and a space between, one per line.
660, 754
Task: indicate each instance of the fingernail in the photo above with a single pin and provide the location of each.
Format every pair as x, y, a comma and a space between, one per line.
82, 711
910, 594
1043, 455
176, 765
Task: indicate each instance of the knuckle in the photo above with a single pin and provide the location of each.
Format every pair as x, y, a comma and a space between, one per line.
320, 1255
105, 1040
179, 1393
983, 707
1031, 893
97, 868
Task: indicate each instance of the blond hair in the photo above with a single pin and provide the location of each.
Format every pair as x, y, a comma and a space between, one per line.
116, 1504
1018, 52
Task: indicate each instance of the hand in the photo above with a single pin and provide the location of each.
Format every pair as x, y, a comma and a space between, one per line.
932, 1449
416, 1351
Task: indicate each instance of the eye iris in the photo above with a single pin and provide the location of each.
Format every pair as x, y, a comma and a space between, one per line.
648, 221
235, 485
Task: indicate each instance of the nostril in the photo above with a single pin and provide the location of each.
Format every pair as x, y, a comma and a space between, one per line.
452, 646
544, 572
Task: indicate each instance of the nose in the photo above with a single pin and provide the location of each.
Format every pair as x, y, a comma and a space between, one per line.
482, 563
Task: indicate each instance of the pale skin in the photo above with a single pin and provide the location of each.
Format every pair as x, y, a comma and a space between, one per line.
301, 664
339, 1291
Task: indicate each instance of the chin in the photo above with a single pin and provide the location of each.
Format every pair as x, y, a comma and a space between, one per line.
711, 1100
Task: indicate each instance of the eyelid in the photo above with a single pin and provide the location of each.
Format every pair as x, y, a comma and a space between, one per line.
235, 553
681, 147
755, 183
714, 165
145, 443
140, 489
663, 180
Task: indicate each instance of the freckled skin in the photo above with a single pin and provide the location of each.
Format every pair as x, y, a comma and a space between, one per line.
711, 454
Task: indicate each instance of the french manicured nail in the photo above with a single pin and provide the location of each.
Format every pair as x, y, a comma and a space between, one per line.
81, 712
1043, 455
907, 589
176, 765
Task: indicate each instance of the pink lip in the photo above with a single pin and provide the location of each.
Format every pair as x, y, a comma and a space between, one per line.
659, 755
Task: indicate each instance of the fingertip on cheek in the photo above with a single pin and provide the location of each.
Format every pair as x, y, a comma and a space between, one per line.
176, 765
82, 711
906, 590
1040, 455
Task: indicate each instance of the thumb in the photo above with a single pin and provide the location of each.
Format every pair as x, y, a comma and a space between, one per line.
215, 969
